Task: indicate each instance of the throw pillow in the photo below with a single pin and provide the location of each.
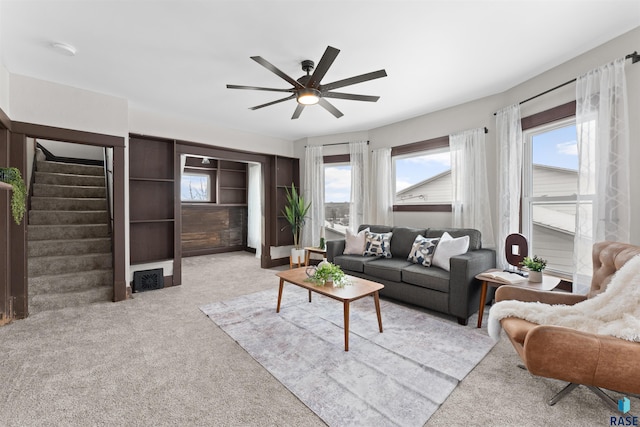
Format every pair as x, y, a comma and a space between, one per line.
378, 244
422, 250
354, 243
448, 247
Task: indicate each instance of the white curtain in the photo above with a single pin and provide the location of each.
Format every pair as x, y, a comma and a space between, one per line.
470, 202
509, 134
255, 217
359, 155
381, 188
603, 206
314, 193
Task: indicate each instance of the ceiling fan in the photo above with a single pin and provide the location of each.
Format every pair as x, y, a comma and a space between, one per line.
307, 90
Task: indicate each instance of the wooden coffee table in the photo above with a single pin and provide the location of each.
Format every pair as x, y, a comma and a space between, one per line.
358, 288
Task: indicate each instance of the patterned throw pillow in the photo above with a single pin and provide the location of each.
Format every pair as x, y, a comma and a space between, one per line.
378, 244
422, 250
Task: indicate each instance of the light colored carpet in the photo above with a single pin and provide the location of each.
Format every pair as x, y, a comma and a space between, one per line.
398, 377
156, 360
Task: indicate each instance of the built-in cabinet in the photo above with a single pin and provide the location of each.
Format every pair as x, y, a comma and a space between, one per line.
286, 172
220, 224
153, 217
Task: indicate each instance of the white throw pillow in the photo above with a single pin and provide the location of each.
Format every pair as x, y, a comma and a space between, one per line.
448, 247
354, 243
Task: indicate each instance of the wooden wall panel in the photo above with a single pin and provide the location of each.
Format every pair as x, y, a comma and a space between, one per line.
209, 228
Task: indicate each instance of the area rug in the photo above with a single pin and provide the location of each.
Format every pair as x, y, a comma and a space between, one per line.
398, 377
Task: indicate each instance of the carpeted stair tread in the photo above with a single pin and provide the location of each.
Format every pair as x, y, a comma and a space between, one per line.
68, 203
69, 179
70, 282
69, 246
68, 217
38, 248
61, 264
64, 232
70, 168
45, 302
53, 190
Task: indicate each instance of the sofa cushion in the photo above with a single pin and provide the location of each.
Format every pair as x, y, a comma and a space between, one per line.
354, 243
426, 277
352, 262
386, 268
422, 250
378, 244
402, 240
447, 248
475, 237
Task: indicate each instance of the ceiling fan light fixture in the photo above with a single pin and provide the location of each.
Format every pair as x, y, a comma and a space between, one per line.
308, 96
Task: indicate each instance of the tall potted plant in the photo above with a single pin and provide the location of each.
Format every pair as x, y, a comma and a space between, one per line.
295, 212
13, 177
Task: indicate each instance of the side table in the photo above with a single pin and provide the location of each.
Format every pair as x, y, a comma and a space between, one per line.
309, 250
548, 283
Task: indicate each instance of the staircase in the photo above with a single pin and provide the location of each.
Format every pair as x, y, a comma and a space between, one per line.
69, 246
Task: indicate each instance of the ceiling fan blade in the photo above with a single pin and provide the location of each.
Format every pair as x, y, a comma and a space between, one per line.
330, 108
321, 69
259, 88
298, 111
273, 102
353, 80
269, 66
351, 96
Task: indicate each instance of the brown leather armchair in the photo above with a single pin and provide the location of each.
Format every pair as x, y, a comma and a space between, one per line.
566, 354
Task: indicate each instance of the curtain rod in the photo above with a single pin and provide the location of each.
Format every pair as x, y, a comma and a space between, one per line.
334, 143
635, 57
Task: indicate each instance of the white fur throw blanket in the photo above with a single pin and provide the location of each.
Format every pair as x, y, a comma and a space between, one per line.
614, 312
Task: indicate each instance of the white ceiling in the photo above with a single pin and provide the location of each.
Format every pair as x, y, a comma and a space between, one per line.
175, 57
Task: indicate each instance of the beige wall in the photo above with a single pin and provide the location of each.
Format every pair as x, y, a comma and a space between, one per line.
479, 113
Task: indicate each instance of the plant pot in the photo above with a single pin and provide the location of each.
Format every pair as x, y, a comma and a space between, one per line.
535, 276
297, 256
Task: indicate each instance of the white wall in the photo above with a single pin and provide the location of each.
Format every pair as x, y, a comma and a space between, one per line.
480, 113
4, 89
46, 103
148, 123
78, 151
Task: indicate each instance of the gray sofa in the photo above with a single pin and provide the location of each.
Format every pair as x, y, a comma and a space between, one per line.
456, 293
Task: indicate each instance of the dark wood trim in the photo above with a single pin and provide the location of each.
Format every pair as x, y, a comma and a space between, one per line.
416, 147
119, 246
18, 233
68, 135
5, 121
422, 208
549, 116
6, 303
177, 216
338, 158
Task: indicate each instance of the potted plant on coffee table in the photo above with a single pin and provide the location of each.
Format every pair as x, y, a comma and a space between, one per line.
13, 177
535, 266
295, 212
328, 274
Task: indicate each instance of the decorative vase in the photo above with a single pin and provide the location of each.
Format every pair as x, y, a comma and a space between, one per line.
323, 262
535, 276
297, 256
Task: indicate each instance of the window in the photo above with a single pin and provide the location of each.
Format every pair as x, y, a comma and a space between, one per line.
195, 187
337, 197
423, 178
550, 167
